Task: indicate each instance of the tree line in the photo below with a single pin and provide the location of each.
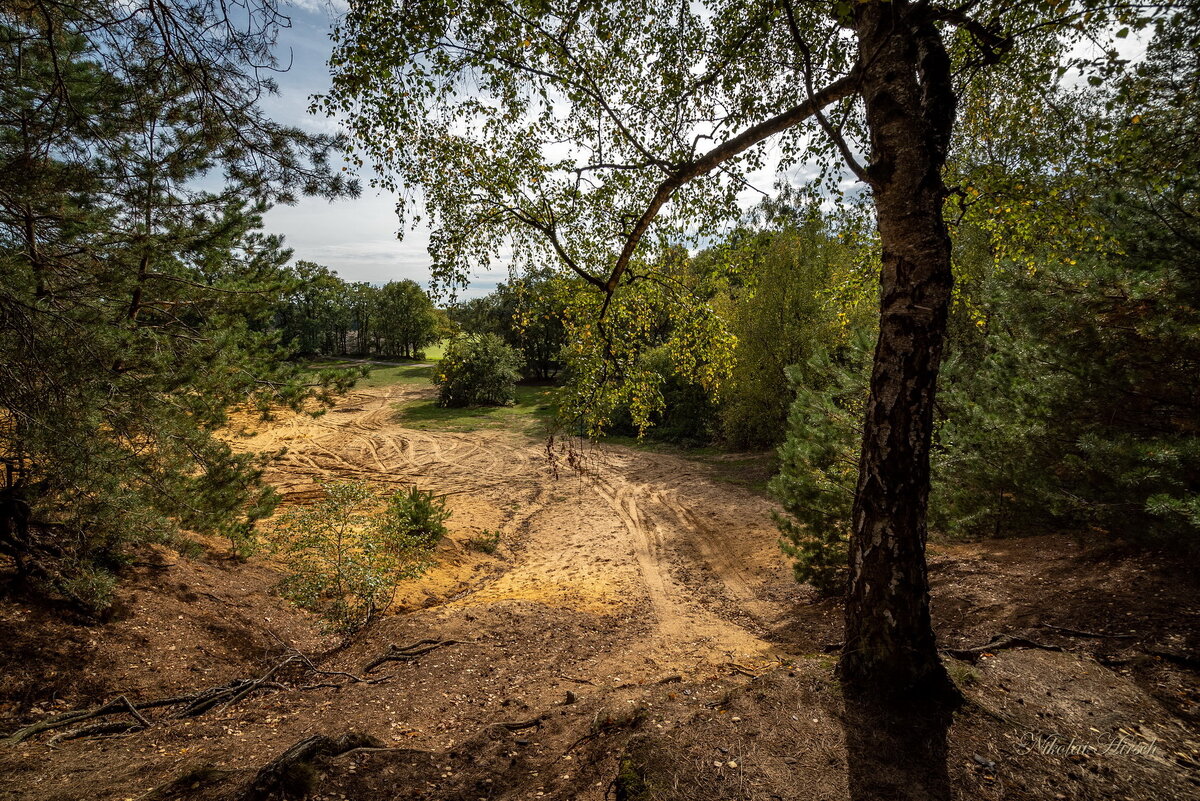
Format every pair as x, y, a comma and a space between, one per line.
325, 315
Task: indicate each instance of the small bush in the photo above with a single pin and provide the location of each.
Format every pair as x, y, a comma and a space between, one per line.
415, 521
962, 674
478, 370
486, 541
91, 587
345, 559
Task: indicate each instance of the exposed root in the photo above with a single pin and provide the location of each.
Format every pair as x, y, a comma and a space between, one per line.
1186, 660
291, 773
188, 706
520, 724
119, 705
1081, 633
96, 730
998, 643
403, 653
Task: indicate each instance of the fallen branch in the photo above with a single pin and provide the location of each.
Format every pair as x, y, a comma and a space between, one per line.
401, 653
998, 643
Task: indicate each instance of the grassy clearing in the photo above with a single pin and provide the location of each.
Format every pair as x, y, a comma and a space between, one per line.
385, 374
529, 415
400, 374
436, 351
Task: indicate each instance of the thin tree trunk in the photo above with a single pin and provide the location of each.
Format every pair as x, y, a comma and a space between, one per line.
910, 107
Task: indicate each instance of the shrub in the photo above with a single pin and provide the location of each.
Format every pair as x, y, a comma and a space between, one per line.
486, 541
819, 462
415, 521
478, 370
798, 296
344, 559
687, 413
91, 586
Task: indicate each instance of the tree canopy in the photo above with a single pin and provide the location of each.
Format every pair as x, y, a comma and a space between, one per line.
600, 136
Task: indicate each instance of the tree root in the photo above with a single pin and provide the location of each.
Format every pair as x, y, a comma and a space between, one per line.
403, 653
1186, 660
998, 643
96, 730
119, 705
519, 725
199, 703
291, 772
1081, 633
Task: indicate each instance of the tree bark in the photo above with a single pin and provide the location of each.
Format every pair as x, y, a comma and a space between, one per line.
910, 110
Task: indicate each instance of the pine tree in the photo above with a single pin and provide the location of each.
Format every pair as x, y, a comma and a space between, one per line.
136, 296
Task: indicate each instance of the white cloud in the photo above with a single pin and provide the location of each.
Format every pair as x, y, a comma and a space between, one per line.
328, 7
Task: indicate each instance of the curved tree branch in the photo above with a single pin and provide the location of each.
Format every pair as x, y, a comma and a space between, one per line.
838, 90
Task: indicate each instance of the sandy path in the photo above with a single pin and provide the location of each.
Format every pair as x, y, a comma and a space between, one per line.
643, 533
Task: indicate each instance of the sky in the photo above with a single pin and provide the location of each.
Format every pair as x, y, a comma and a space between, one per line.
354, 236
357, 237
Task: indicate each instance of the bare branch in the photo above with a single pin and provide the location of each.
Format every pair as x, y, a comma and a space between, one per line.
834, 134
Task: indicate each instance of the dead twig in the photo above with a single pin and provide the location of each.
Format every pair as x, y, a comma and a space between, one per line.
745, 671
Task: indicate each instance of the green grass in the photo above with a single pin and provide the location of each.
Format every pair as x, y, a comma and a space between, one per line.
400, 374
382, 376
652, 445
529, 415
325, 363
436, 351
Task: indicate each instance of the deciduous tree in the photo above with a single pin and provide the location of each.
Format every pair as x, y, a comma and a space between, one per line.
594, 135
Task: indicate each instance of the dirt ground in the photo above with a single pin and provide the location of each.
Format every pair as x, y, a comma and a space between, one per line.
637, 635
